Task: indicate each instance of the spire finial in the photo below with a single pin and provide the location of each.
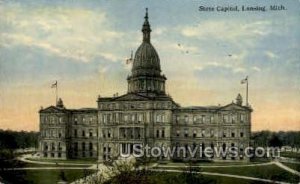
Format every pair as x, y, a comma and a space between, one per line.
146, 28
146, 16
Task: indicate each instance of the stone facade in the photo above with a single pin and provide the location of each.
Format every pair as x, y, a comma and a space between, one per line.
145, 115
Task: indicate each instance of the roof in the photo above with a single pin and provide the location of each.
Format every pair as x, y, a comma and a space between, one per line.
136, 97
228, 107
54, 109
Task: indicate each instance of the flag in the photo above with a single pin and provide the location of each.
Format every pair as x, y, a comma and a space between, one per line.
54, 85
130, 60
244, 80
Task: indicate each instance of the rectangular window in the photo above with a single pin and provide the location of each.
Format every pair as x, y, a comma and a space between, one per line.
157, 133
177, 119
186, 133
232, 134
194, 134
163, 133
177, 133
140, 118
202, 118
109, 133
242, 134
75, 133
195, 119
103, 134
186, 119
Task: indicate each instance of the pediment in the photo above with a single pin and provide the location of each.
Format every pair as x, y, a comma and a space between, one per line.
52, 109
234, 107
131, 97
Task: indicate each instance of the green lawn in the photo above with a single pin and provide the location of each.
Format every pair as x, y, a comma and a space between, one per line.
271, 172
42, 176
292, 166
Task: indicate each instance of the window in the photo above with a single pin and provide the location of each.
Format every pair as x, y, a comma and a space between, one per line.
75, 121
224, 134
163, 133
83, 146
233, 118
232, 134
212, 119
158, 118
177, 133
186, 134
203, 133
52, 146
45, 146
75, 133
109, 133
75, 146
194, 134
157, 133
202, 118
140, 118
186, 119
225, 118
163, 118
103, 134
83, 133
91, 133
243, 118
195, 119
125, 118
242, 134
91, 146
177, 119
211, 133
133, 117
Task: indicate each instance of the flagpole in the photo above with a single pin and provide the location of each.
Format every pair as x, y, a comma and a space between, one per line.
247, 104
56, 93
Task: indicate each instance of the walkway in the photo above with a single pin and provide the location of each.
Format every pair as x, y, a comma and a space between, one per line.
282, 166
24, 158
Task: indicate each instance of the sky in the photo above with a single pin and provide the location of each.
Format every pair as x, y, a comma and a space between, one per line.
205, 55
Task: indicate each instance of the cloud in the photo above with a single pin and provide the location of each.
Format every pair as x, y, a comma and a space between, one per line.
232, 31
74, 33
271, 55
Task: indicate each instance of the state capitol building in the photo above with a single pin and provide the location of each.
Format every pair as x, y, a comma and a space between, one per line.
145, 115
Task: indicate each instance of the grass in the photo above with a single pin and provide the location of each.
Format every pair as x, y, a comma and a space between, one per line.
271, 172
42, 176
293, 166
